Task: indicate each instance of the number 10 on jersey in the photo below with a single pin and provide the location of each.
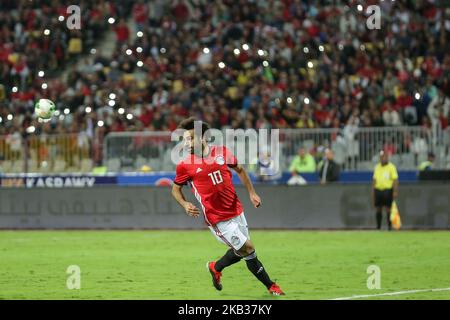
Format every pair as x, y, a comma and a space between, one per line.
216, 177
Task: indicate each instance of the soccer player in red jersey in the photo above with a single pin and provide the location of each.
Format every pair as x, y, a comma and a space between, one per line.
206, 169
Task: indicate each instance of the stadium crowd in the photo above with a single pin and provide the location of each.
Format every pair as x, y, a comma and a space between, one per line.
239, 64
37, 42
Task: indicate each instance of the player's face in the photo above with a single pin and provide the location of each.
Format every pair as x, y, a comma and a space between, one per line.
192, 142
384, 158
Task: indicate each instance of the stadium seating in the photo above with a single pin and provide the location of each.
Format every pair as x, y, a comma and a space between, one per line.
248, 64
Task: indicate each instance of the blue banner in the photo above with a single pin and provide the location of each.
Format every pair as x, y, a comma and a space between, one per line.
166, 179
55, 181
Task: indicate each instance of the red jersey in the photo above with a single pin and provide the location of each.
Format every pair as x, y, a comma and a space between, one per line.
211, 182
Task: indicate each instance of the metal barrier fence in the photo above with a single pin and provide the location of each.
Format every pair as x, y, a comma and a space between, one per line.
358, 148
45, 153
354, 148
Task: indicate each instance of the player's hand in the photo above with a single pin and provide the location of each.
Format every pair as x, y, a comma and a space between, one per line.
255, 199
191, 210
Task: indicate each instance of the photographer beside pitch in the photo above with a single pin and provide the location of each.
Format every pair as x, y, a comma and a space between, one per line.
384, 188
206, 169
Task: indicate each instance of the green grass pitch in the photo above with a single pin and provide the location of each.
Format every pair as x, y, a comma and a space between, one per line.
171, 264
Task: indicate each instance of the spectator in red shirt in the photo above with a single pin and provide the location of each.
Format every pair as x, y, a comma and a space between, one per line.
122, 32
320, 114
180, 11
404, 100
140, 15
147, 116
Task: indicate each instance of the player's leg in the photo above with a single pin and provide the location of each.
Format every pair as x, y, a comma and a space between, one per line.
389, 200
253, 264
256, 267
228, 259
234, 233
379, 208
379, 217
228, 232
388, 216
231, 257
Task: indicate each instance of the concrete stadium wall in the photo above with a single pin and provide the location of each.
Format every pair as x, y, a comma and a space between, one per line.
424, 205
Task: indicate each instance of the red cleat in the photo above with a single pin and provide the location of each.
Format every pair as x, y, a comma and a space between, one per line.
275, 290
215, 275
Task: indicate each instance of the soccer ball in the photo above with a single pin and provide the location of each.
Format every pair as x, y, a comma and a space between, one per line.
44, 109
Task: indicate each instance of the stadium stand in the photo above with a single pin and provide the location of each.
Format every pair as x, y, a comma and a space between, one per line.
237, 64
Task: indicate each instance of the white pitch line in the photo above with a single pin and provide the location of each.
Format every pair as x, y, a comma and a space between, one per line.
391, 293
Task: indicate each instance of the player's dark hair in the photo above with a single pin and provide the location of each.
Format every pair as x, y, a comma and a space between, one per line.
188, 124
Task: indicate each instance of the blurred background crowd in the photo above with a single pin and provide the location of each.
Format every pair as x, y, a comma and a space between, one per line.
232, 63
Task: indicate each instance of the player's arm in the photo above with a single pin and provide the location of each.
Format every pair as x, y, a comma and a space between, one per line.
395, 184
177, 193
245, 179
373, 191
395, 189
